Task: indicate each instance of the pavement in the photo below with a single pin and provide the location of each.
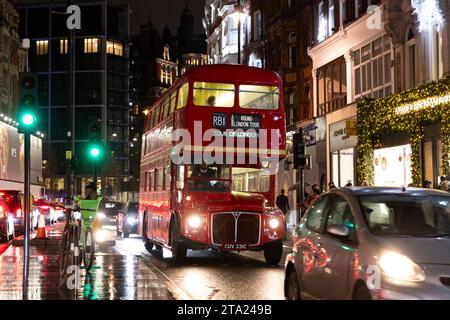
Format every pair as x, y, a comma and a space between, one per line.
113, 277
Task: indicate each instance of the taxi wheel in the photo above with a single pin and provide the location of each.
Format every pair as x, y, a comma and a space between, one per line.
179, 251
273, 252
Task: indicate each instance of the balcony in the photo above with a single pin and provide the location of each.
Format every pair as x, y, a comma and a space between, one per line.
333, 105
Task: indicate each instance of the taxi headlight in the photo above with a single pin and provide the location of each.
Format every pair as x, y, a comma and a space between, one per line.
399, 267
101, 216
132, 221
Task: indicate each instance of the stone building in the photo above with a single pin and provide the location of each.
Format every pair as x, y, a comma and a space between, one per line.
12, 58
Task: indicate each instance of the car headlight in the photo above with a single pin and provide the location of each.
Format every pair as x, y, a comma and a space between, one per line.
101, 216
132, 221
399, 267
194, 222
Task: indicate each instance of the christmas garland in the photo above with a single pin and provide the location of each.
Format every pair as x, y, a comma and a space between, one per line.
379, 117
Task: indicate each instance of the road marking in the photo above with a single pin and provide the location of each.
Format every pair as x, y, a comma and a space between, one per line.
177, 292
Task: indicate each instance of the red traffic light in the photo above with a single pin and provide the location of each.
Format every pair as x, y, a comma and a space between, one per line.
28, 83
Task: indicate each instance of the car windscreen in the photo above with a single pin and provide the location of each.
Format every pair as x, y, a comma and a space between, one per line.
407, 215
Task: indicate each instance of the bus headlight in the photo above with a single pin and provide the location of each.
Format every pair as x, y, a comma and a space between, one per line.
194, 221
274, 223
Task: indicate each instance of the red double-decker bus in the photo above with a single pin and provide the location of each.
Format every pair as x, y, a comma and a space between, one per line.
210, 153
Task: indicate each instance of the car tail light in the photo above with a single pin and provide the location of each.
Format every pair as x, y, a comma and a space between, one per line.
45, 207
19, 213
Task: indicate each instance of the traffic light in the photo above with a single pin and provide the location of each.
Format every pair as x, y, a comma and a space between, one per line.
95, 130
95, 151
300, 158
28, 102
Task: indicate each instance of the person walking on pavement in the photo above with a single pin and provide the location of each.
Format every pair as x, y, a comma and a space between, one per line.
283, 202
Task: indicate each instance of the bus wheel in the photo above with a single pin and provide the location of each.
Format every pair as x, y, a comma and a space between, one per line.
149, 245
179, 251
273, 253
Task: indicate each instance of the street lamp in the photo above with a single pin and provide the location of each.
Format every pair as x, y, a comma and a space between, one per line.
238, 14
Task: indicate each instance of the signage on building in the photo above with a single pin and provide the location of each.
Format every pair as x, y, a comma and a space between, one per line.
343, 135
309, 135
423, 104
12, 155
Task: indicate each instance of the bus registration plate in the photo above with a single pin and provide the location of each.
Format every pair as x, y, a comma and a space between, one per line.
235, 247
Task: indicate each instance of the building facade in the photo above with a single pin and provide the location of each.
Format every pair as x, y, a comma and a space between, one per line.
225, 35
83, 79
12, 59
376, 65
156, 63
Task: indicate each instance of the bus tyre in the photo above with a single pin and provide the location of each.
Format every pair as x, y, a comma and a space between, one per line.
179, 251
149, 245
273, 253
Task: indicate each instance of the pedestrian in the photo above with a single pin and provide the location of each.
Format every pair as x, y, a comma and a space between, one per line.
349, 184
365, 184
312, 198
91, 192
283, 202
331, 186
427, 184
444, 184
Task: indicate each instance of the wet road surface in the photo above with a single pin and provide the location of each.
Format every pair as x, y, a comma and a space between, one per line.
206, 275
124, 270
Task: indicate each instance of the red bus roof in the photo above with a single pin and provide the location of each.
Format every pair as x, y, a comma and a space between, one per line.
232, 73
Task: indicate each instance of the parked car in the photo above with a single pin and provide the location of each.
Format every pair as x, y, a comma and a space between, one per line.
108, 212
41, 206
127, 220
372, 243
6, 222
57, 213
13, 201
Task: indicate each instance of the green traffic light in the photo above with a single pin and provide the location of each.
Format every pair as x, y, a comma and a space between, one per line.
28, 119
95, 152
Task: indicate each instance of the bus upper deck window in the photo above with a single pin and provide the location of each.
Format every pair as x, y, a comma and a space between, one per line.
259, 97
220, 95
183, 93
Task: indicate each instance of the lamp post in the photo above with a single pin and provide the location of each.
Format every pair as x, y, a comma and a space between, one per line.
238, 11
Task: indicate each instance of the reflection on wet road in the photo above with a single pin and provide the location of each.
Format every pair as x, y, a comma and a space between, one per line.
206, 275
124, 270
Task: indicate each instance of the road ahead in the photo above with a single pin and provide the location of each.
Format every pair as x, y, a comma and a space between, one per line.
206, 275
209, 276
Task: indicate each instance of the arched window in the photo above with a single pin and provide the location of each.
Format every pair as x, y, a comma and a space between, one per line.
411, 59
292, 50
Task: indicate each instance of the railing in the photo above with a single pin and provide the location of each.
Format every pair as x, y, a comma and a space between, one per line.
333, 105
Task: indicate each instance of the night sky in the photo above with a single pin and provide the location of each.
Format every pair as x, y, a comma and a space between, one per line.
165, 12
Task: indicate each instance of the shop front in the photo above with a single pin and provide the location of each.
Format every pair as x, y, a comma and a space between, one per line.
343, 141
404, 139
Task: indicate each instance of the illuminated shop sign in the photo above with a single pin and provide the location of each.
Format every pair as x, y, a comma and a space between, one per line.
423, 104
393, 166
